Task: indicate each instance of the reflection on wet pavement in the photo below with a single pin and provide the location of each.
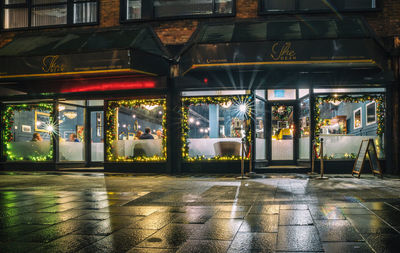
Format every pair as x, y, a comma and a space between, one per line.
67, 212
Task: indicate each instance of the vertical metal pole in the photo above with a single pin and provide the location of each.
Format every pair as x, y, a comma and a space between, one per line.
313, 154
242, 160
322, 159
251, 158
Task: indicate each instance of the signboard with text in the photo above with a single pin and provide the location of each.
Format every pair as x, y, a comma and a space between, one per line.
64, 64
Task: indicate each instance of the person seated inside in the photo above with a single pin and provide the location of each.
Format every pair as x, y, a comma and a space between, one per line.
147, 134
36, 137
137, 135
73, 138
159, 135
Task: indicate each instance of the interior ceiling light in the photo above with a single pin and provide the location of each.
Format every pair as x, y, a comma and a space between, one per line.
70, 114
227, 104
150, 107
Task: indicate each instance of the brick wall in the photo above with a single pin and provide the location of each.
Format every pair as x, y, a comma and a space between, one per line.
385, 23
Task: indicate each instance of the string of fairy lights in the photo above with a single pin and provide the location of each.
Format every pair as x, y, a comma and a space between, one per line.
112, 129
242, 102
380, 112
7, 134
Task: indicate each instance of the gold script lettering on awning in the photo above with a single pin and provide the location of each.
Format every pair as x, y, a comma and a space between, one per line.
50, 64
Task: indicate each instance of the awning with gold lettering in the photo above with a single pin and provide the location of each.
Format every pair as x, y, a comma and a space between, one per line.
285, 51
89, 52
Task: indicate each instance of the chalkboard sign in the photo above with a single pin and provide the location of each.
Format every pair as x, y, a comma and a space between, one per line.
373, 158
359, 163
367, 147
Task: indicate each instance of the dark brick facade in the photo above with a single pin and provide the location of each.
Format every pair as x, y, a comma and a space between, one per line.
386, 22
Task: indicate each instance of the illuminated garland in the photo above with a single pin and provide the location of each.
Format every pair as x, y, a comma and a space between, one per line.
193, 101
287, 110
7, 136
112, 128
380, 111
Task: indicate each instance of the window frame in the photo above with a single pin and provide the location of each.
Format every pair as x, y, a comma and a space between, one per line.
262, 12
123, 16
354, 118
30, 6
366, 114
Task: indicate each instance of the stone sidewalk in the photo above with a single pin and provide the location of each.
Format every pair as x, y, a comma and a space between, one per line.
96, 212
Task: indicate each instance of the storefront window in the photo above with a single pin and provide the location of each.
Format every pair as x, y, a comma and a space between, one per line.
342, 123
213, 127
71, 133
304, 140
27, 132
260, 126
136, 130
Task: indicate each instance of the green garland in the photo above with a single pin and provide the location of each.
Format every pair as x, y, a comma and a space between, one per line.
112, 128
281, 117
7, 136
380, 110
193, 101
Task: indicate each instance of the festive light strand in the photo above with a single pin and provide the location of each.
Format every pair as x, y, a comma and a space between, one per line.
112, 129
195, 101
7, 136
380, 111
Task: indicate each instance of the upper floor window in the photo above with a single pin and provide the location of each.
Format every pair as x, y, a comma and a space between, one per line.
144, 9
37, 13
316, 5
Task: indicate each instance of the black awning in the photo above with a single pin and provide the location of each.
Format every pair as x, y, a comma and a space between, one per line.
302, 46
136, 50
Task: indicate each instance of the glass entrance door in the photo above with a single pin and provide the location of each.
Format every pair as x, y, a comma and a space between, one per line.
282, 132
97, 136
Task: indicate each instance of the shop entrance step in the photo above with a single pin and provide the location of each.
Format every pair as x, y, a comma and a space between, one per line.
282, 169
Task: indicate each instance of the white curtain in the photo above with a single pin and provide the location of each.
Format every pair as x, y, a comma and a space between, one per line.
85, 12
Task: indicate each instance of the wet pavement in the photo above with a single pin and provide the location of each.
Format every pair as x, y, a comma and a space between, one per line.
96, 212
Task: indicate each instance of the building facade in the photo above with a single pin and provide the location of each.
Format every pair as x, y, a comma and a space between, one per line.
206, 83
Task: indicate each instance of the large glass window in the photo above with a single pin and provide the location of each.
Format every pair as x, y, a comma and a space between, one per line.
342, 121
313, 5
71, 133
136, 130
27, 132
140, 9
261, 141
213, 127
36, 13
304, 126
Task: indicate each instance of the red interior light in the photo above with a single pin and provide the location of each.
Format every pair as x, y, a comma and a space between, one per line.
110, 85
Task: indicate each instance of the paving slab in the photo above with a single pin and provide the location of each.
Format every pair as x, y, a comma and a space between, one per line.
111, 212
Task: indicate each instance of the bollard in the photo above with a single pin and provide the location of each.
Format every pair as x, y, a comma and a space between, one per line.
313, 156
242, 176
321, 157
